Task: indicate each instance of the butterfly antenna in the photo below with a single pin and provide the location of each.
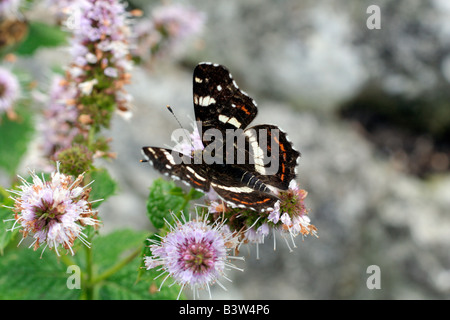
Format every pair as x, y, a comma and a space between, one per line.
184, 130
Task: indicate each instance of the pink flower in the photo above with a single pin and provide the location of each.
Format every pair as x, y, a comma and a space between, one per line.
54, 212
166, 29
59, 128
9, 89
257, 235
100, 46
178, 21
9, 8
290, 215
194, 253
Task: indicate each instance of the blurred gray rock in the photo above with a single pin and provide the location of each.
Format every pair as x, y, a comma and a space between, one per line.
366, 212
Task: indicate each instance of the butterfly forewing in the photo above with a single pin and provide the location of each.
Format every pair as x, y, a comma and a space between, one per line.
168, 163
218, 101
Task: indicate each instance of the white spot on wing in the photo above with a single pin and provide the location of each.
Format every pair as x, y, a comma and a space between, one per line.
233, 189
195, 174
205, 101
257, 152
169, 157
223, 118
234, 122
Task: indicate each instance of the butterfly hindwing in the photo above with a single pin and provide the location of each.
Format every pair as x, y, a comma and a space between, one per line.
273, 156
246, 198
241, 188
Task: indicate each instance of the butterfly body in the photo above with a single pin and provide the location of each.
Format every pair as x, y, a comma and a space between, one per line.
245, 166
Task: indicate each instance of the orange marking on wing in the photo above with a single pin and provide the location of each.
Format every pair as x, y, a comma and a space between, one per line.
281, 145
245, 110
283, 169
250, 203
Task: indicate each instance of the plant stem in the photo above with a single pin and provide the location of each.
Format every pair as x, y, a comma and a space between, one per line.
111, 271
89, 286
67, 260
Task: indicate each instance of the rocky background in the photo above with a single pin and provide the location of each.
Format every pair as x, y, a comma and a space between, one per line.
370, 113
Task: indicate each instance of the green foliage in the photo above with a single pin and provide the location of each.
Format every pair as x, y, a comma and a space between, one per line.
6, 214
122, 284
166, 197
25, 276
111, 267
41, 35
115, 262
75, 160
14, 138
103, 187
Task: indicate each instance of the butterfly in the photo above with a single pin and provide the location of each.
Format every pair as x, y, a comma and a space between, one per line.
263, 160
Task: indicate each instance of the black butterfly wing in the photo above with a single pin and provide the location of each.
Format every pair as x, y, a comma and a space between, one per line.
230, 182
218, 102
269, 165
273, 156
240, 188
245, 197
178, 166
263, 158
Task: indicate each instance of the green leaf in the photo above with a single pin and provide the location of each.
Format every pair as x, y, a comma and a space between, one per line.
123, 286
25, 276
164, 198
194, 194
6, 214
41, 35
14, 138
109, 251
103, 187
110, 248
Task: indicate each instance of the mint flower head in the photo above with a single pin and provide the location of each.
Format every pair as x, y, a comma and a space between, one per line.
290, 214
101, 59
9, 90
167, 30
54, 212
177, 21
9, 8
289, 217
60, 114
194, 253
